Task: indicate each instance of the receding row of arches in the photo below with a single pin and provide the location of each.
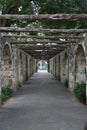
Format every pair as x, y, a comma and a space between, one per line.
62, 65
15, 68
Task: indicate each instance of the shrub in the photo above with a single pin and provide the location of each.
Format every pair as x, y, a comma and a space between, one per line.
66, 83
80, 92
6, 92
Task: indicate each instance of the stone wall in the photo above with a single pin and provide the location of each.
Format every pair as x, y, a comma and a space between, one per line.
16, 66
71, 64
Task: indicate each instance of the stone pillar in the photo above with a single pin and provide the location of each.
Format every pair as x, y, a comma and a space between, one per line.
0, 68
86, 81
57, 66
15, 74
71, 69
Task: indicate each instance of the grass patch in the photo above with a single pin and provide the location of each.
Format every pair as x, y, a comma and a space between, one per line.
80, 92
6, 92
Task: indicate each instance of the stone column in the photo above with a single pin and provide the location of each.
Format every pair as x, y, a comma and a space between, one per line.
71, 68
0, 68
15, 74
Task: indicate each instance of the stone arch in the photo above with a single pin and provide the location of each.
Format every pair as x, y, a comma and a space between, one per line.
6, 66
80, 65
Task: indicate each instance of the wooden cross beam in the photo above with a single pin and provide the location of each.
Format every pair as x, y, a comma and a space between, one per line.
47, 57
31, 46
65, 31
45, 42
45, 50
45, 17
43, 57
43, 37
49, 53
41, 48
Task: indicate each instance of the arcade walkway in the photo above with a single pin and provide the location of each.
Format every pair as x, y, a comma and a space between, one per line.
42, 104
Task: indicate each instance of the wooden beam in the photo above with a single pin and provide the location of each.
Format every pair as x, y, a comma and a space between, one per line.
45, 58
44, 17
41, 57
31, 46
43, 37
43, 48
45, 42
32, 49
65, 31
45, 51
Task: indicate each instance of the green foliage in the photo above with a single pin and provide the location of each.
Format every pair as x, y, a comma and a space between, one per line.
63, 6
80, 92
45, 7
6, 92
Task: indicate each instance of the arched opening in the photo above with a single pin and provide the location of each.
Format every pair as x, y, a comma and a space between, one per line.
80, 65
42, 66
6, 67
80, 75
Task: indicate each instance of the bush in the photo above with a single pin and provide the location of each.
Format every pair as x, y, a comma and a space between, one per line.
66, 83
6, 92
80, 92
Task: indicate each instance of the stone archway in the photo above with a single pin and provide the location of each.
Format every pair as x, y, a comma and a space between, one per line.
80, 65
6, 67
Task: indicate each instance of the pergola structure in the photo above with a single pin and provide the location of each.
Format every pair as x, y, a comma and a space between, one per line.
21, 49
45, 46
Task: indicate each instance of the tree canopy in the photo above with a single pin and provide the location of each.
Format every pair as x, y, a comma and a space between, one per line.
44, 7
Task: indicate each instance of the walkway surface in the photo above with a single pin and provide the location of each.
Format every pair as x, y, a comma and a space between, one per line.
42, 104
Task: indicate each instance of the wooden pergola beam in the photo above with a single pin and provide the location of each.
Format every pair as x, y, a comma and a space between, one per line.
44, 42
45, 17
45, 50
43, 37
45, 58
39, 54
47, 53
41, 48
65, 31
